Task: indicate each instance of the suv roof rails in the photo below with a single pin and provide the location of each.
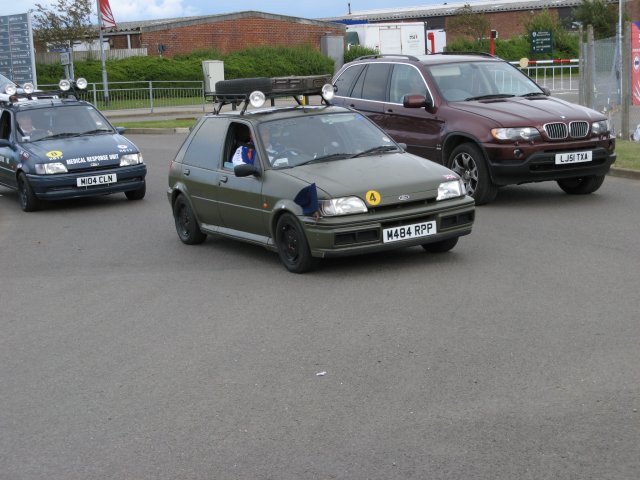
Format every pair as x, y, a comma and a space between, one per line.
389, 55
482, 54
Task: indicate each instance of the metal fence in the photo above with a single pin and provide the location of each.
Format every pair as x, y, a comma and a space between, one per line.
559, 76
149, 95
53, 58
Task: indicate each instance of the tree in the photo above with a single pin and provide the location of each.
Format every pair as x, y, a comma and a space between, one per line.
467, 23
64, 22
603, 17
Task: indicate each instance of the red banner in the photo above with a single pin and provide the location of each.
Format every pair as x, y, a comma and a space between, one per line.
106, 16
635, 66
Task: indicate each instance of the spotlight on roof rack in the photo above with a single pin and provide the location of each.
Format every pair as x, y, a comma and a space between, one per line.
10, 89
328, 91
28, 88
257, 99
64, 85
81, 83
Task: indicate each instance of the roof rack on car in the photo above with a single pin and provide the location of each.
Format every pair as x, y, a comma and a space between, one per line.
256, 91
389, 55
67, 90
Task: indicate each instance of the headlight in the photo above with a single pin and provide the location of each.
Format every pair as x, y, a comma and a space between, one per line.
50, 168
342, 206
130, 159
515, 134
451, 189
601, 128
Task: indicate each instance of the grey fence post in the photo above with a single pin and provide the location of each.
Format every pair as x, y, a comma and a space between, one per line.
151, 96
95, 95
625, 94
590, 67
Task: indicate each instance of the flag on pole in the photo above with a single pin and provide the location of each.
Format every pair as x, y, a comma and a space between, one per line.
106, 16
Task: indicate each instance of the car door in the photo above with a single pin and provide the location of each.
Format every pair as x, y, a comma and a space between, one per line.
369, 91
420, 129
201, 167
240, 198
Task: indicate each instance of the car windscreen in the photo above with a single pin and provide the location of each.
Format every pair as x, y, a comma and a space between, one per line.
476, 80
325, 137
59, 121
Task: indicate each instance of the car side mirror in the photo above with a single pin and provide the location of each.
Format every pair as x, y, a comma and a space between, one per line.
121, 130
7, 143
546, 91
246, 170
416, 101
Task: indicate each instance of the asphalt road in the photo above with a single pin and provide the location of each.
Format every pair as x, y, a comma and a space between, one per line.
125, 354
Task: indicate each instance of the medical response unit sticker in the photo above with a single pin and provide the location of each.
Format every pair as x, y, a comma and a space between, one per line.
373, 198
54, 154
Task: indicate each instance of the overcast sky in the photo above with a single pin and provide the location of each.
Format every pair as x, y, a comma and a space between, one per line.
128, 10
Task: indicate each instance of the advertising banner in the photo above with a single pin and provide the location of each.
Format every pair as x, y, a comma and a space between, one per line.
635, 65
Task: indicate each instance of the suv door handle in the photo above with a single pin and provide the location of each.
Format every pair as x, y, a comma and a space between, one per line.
223, 179
186, 171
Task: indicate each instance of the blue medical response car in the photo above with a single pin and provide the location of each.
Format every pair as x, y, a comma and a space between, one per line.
54, 146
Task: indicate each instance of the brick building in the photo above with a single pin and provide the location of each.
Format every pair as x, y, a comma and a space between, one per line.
508, 17
225, 33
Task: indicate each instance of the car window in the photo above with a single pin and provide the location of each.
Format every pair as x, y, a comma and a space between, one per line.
334, 136
406, 80
375, 81
458, 82
205, 149
5, 125
344, 83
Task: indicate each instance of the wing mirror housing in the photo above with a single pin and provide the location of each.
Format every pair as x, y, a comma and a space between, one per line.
416, 101
246, 170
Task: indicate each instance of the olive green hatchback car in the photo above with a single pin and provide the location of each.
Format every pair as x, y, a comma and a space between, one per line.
311, 182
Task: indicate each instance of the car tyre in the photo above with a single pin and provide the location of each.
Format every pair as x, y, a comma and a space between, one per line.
137, 194
292, 244
581, 185
186, 224
442, 246
468, 162
28, 200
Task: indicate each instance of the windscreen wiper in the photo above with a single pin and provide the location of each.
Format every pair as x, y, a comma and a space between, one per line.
378, 149
487, 97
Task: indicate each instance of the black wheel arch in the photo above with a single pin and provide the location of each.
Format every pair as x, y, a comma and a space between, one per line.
454, 139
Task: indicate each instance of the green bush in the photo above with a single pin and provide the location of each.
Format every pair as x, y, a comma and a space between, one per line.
515, 48
357, 51
263, 61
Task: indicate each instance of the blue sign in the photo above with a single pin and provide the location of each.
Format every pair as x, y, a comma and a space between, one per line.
17, 60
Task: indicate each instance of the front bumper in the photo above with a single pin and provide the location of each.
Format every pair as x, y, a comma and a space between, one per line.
358, 234
540, 166
61, 186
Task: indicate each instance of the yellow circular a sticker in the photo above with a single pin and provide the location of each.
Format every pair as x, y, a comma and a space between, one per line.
372, 197
54, 154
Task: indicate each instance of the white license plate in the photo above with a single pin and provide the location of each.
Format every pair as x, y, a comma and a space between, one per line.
397, 234
573, 157
97, 180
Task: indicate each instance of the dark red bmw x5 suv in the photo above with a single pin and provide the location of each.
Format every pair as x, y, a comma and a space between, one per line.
481, 117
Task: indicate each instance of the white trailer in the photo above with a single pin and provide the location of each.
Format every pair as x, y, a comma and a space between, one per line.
411, 38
